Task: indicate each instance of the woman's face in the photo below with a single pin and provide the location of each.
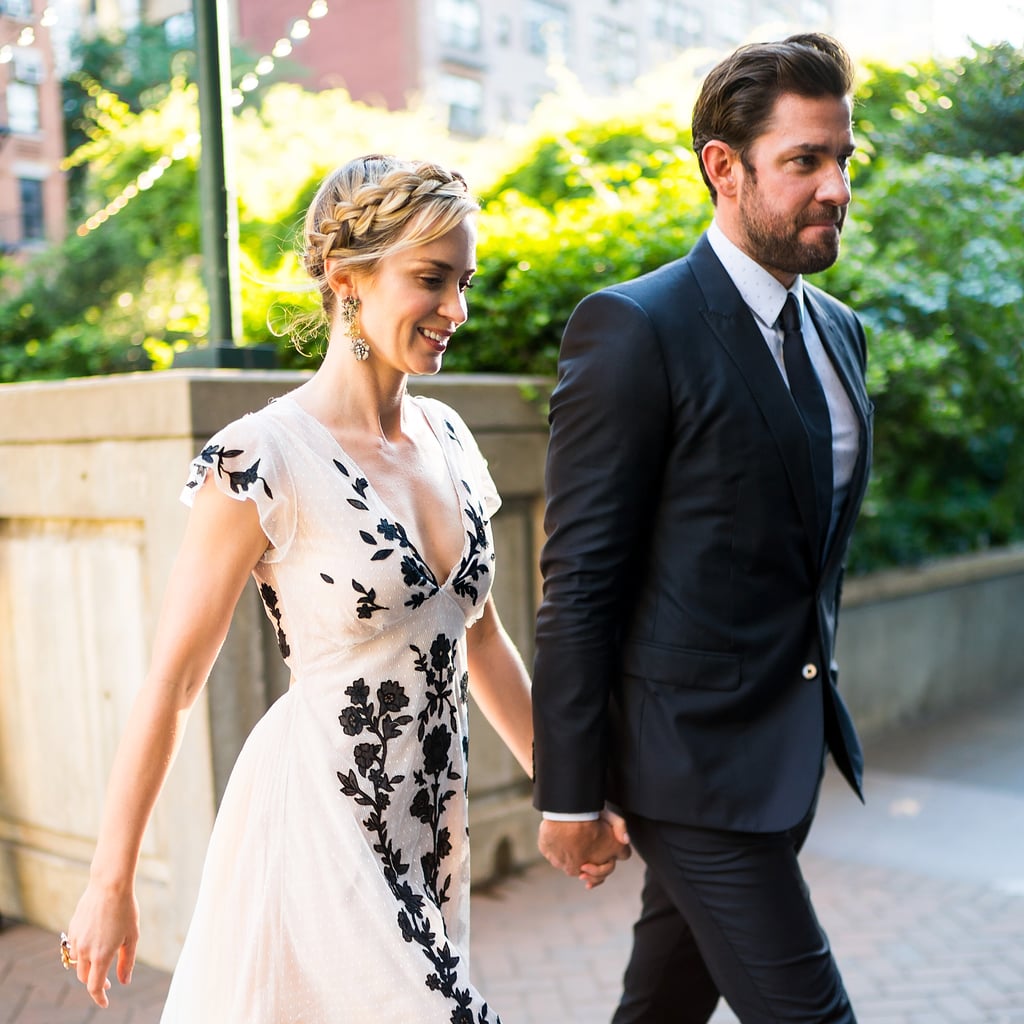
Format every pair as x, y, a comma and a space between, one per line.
415, 300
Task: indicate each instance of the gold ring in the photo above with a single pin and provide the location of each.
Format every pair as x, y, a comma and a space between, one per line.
66, 959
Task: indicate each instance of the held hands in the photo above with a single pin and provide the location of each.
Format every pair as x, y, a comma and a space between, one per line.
105, 925
587, 850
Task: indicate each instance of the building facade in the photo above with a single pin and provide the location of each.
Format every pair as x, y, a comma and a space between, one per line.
33, 193
486, 62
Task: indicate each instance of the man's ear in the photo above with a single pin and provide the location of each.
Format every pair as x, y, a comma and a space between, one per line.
720, 163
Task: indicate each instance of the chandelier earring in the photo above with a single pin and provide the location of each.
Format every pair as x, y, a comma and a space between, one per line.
350, 316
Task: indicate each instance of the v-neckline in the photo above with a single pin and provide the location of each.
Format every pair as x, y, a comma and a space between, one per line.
453, 480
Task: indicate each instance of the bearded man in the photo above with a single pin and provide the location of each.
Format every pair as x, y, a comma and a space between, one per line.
710, 445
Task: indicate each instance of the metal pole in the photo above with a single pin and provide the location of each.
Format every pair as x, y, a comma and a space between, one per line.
218, 202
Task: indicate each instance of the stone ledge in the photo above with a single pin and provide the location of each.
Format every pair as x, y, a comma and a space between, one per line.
944, 574
198, 402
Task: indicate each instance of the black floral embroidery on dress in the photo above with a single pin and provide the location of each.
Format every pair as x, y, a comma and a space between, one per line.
366, 605
416, 574
418, 577
473, 564
452, 434
437, 725
369, 785
381, 725
239, 480
274, 611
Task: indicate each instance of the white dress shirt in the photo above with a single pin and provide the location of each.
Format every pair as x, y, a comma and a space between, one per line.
765, 296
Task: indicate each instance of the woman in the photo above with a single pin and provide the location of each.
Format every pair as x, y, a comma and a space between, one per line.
336, 886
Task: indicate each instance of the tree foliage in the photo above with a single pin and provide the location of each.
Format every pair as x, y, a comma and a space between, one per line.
933, 258
971, 106
934, 264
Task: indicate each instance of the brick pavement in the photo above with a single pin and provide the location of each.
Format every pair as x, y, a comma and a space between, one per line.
921, 891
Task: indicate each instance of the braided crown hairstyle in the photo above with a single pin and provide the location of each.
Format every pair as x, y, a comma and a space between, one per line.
375, 206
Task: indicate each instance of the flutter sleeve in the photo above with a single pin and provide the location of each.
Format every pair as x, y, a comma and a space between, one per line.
245, 462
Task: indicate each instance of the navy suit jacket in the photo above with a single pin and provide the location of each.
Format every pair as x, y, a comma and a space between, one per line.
684, 665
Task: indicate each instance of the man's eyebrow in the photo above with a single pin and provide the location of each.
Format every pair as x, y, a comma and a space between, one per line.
820, 147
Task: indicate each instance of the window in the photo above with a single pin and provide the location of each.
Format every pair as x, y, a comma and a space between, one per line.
464, 98
615, 48
28, 66
460, 23
179, 30
20, 9
678, 23
730, 20
23, 108
547, 29
33, 226
504, 31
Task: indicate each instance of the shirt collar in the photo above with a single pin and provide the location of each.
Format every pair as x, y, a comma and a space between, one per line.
763, 294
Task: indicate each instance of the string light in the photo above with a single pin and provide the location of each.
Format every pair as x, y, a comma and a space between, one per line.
300, 29
27, 36
142, 182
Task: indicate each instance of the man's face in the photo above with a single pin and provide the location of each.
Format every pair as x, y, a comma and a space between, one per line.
795, 186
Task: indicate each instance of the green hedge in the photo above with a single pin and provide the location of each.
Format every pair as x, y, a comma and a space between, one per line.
933, 260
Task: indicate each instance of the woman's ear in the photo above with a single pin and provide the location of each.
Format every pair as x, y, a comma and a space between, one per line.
720, 163
339, 280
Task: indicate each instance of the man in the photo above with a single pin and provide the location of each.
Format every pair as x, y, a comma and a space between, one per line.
709, 451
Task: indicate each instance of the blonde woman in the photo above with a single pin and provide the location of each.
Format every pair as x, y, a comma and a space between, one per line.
336, 886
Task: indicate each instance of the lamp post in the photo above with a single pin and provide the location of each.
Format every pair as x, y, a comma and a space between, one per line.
218, 203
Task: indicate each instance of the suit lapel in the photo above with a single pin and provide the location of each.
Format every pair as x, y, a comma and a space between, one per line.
733, 325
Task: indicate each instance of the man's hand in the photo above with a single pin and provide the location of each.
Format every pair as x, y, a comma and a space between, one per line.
586, 850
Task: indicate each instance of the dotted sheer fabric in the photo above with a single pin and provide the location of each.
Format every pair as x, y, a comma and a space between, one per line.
336, 885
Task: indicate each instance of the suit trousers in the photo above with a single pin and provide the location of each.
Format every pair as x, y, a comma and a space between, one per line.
727, 914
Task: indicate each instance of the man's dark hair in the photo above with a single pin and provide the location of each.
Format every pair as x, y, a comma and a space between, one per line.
739, 94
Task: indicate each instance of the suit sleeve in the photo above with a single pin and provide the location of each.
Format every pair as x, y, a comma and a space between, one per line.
609, 419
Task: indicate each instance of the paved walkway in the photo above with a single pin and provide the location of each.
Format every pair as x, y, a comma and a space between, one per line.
921, 891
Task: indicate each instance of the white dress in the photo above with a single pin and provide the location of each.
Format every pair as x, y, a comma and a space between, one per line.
336, 885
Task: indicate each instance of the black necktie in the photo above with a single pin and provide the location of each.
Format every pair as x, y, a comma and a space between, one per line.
809, 397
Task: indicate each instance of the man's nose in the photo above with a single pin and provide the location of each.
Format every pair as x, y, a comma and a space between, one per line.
835, 188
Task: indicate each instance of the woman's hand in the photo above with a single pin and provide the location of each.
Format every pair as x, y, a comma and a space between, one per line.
592, 875
105, 925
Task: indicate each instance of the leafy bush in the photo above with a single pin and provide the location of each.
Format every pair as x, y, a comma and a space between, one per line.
934, 266
972, 106
933, 259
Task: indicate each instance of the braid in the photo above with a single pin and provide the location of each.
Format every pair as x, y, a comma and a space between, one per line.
377, 205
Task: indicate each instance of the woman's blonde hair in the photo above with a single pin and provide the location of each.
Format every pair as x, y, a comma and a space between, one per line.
377, 205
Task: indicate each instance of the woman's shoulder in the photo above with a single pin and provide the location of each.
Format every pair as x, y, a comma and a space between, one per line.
444, 419
259, 428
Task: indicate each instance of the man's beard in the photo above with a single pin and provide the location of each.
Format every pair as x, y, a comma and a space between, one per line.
774, 242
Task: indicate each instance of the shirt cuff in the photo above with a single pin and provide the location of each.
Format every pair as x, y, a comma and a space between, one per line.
577, 816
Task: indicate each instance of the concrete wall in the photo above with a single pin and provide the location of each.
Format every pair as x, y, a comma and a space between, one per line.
917, 641
90, 473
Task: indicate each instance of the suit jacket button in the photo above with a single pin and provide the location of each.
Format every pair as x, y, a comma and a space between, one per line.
809, 671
